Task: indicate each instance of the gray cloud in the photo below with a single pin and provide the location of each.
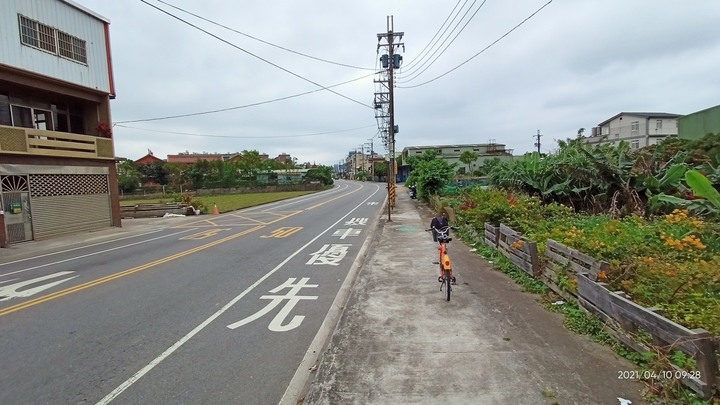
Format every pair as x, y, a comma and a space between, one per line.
573, 65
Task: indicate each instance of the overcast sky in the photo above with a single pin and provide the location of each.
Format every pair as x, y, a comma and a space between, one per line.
573, 64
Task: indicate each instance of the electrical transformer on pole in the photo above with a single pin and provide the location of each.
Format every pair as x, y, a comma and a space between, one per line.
384, 101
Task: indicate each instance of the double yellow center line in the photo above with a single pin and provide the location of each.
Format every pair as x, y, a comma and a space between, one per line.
124, 273
146, 266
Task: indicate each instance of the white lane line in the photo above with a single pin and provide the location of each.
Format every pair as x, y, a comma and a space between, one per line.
281, 204
92, 254
78, 248
138, 375
336, 189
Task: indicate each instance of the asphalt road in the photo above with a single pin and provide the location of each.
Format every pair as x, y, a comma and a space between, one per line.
215, 311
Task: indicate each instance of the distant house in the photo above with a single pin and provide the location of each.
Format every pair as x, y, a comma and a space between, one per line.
283, 158
233, 157
357, 162
190, 159
699, 124
57, 157
640, 129
148, 159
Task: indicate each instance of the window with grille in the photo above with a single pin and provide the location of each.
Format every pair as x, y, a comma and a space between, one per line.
72, 47
41, 36
28, 31
37, 35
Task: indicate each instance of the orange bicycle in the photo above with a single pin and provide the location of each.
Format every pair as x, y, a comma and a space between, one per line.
447, 279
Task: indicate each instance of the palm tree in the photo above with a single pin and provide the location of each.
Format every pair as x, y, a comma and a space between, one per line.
468, 157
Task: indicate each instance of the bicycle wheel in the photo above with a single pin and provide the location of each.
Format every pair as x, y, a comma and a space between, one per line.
448, 282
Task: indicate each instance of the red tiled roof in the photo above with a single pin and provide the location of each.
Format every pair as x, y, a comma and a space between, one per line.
192, 159
148, 159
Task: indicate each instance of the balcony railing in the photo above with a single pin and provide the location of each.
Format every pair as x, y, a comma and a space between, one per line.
30, 141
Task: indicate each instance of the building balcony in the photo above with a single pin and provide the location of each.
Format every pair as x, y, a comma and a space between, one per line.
30, 141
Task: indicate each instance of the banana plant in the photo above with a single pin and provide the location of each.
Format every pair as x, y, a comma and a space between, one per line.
663, 182
702, 187
614, 166
710, 171
705, 200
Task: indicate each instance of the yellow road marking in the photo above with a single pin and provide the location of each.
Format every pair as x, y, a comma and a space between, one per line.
204, 234
249, 219
281, 213
282, 232
146, 266
278, 213
124, 273
332, 199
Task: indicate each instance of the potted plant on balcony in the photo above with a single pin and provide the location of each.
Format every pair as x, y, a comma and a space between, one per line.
104, 130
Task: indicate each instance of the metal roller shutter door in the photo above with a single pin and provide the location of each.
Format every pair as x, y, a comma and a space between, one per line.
64, 204
70, 213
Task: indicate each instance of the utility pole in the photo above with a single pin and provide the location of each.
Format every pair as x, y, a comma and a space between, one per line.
362, 158
537, 143
390, 61
372, 160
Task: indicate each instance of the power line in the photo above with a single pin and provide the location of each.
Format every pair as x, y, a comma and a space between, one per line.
446, 38
413, 61
483, 50
256, 56
260, 40
448, 45
240, 106
245, 137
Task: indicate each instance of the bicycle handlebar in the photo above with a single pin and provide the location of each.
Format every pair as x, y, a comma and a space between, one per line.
444, 229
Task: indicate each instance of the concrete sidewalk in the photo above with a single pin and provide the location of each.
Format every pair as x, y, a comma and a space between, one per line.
400, 342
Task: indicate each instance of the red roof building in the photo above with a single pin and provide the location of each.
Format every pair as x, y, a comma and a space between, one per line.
148, 159
192, 159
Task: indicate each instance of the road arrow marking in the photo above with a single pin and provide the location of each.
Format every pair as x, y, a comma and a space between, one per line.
11, 291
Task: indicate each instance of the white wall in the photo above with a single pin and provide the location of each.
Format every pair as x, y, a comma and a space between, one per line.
623, 127
65, 17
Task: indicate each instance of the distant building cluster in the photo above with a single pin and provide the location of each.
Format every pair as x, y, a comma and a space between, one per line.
192, 158
638, 129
